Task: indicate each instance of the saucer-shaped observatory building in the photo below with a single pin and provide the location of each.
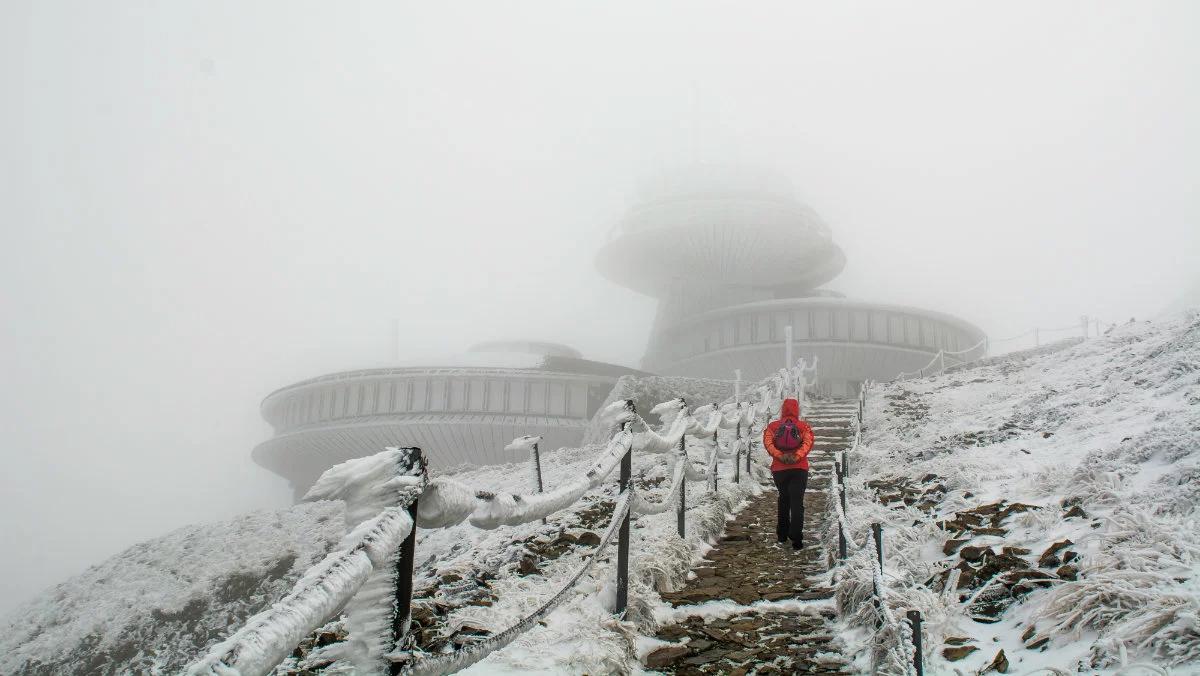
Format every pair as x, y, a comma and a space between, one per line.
462, 409
733, 258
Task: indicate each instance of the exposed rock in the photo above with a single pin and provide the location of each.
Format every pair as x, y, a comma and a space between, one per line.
952, 545
1038, 643
974, 553
999, 665
666, 656
956, 640
527, 566
1050, 557
998, 532
707, 657
1075, 511
956, 653
1015, 508
589, 538
1014, 551
1067, 572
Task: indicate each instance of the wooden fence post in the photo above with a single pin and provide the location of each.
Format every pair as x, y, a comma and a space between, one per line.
842, 498
749, 448
537, 465
681, 510
737, 455
914, 618
877, 532
716, 461
415, 462
623, 543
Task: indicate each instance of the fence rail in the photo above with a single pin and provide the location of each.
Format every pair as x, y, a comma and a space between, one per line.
1087, 327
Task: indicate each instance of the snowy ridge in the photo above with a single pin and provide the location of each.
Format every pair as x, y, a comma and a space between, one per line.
154, 607
1039, 511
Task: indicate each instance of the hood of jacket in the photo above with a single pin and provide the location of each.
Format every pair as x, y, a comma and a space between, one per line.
789, 409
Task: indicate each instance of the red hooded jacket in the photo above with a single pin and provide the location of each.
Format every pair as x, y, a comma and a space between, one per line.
790, 409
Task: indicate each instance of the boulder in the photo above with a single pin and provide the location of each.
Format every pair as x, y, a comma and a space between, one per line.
974, 553
952, 545
1050, 557
588, 538
666, 656
999, 664
1068, 572
956, 653
527, 566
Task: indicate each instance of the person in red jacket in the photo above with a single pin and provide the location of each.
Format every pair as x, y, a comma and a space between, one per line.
788, 441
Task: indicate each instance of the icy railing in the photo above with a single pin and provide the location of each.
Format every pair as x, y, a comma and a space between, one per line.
897, 642
369, 578
1084, 329
387, 484
938, 363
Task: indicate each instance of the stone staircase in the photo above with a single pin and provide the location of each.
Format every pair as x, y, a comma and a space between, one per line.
787, 629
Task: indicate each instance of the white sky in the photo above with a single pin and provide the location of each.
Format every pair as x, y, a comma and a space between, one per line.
203, 201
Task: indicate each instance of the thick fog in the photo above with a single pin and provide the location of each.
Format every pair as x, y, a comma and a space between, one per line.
203, 201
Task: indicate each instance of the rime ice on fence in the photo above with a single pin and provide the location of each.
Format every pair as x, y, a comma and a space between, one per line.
374, 483
367, 563
461, 659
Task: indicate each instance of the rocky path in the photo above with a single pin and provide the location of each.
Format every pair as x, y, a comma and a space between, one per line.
787, 630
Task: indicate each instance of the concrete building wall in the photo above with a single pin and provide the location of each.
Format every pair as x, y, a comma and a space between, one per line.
853, 341
454, 415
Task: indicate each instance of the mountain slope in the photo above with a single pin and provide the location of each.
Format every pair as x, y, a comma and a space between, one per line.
156, 605
1045, 505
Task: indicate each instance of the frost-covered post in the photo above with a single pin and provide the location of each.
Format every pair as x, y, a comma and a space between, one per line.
716, 464
681, 509
914, 618
877, 533
737, 453
837, 467
404, 565
749, 446
537, 466
623, 543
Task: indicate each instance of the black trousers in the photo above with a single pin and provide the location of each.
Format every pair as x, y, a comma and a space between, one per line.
791, 484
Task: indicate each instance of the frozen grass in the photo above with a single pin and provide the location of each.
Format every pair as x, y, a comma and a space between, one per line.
1111, 427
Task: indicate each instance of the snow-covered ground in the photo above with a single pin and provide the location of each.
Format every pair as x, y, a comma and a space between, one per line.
154, 607
1043, 506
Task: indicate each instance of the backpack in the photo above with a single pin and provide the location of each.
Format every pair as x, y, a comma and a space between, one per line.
787, 436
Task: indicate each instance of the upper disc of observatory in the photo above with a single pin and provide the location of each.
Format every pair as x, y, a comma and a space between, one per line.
738, 226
